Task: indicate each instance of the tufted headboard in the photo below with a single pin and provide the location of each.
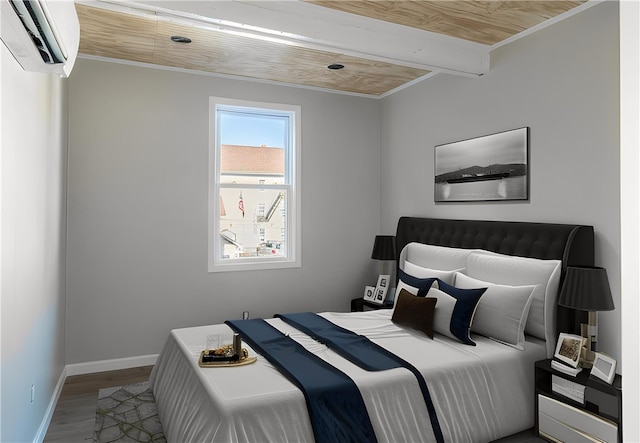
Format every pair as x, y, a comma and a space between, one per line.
573, 244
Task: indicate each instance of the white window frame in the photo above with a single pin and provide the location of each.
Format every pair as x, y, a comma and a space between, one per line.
292, 187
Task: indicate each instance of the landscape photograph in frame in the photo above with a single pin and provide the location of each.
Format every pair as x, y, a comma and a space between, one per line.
488, 168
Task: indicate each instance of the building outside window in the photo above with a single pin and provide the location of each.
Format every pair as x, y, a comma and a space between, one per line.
254, 190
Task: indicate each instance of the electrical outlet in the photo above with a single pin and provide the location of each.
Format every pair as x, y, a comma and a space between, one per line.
33, 393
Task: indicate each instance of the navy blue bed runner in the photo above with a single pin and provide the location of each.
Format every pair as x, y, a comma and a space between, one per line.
336, 408
360, 351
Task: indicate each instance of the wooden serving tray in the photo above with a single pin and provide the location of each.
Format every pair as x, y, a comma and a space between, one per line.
244, 360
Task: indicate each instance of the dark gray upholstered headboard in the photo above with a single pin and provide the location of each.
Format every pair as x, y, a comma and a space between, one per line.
573, 244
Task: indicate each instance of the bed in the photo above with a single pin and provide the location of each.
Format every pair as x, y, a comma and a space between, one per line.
480, 392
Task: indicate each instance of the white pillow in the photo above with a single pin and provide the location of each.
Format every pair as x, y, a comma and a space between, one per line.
434, 257
502, 311
422, 272
455, 311
518, 271
413, 284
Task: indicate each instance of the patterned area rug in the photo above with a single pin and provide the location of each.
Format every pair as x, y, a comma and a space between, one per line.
127, 414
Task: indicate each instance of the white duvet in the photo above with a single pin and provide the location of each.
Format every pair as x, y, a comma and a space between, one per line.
481, 393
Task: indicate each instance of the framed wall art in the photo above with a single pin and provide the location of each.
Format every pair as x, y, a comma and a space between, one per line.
491, 167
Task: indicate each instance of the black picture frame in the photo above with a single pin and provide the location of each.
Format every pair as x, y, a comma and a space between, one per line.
492, 167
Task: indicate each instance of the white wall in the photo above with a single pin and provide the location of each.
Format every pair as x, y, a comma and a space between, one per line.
562, 82
33, 213
630, 213
137, 243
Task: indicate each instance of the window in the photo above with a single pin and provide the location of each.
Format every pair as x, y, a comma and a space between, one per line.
254, 185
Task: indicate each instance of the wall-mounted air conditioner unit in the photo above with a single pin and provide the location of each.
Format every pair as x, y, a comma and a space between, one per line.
42, 35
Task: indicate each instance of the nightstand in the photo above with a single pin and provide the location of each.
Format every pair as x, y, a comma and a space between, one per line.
580, 408
360, 305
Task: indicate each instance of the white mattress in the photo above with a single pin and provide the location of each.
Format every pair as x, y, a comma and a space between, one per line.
480, 393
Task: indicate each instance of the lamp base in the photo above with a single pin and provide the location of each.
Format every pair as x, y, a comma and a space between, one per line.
588, 331
587, 357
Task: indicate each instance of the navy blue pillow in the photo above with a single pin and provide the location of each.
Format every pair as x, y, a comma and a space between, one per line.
421, 284
458, 320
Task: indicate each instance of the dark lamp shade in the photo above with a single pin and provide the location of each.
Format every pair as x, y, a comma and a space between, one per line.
586, 289
384, 247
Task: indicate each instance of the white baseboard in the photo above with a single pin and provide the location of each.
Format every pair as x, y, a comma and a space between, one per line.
46, 420
111, 365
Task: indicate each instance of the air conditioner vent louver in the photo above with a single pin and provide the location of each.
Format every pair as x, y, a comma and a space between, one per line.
42, 35
37, 29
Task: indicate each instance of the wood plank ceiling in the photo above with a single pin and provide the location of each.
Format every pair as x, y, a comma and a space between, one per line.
119, 33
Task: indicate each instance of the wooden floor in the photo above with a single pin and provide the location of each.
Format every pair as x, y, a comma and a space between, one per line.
75, 414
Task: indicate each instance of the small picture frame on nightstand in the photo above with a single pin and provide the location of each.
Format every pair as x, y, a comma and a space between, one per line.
604, 367
568, 349
369, 292
382, 287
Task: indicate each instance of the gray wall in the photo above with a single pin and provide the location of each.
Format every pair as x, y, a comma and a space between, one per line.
33, 213
562, 82
138, 190
137, 244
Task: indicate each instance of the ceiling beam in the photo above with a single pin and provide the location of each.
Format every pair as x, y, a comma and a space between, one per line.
311, 26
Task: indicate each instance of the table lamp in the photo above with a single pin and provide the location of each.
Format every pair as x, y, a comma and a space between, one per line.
586, 288
384, 249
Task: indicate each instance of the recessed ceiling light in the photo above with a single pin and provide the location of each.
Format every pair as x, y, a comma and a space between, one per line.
335, 66
180, 39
